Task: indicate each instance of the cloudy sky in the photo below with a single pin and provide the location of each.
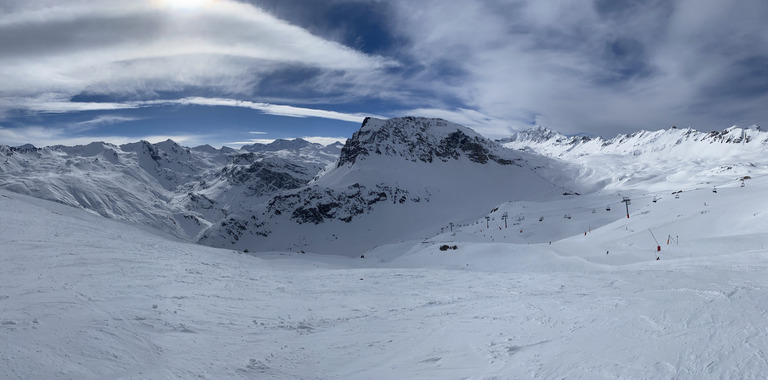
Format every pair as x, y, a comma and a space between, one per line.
231, 72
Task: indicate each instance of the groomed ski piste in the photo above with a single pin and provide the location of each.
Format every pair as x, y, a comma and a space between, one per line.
83, 297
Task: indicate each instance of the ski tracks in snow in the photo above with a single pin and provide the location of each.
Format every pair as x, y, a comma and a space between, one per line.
105, 301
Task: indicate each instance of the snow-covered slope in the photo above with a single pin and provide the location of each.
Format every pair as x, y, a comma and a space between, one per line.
122, 184
658, 160
396, 179
90, 298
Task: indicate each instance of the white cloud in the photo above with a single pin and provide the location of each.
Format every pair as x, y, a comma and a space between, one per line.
99, 121
553, 61
491, 65
258, 133
142, 47
486, 125
54, 105
272, 109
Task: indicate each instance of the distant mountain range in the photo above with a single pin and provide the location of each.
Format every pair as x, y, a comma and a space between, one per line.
178, 190
396, 179
548, 142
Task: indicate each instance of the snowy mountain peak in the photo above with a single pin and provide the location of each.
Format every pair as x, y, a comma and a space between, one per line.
206, 149
280, 144
142, 147
540, 135
26, 147
418, 139
21, 149
171, 147
536, 134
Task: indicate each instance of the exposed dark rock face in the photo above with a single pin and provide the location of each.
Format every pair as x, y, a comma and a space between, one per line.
418, 139
316, 205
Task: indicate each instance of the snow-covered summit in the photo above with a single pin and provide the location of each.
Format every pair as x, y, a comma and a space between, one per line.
395, 179
418, 139
537, 134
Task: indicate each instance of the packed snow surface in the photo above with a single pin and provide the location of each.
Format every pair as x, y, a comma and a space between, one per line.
83, 297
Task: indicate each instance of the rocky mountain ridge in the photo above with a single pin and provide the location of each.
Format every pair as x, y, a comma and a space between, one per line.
395, 179
165, 186
418, 139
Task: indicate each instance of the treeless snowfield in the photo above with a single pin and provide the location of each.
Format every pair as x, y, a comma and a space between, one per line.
82, 297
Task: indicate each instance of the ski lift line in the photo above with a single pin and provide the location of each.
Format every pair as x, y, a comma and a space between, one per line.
714, 185
575, 209
586, 208
658, 195
701, 187
654, 237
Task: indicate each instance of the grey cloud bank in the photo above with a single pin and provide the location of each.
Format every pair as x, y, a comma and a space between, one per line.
595, 67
